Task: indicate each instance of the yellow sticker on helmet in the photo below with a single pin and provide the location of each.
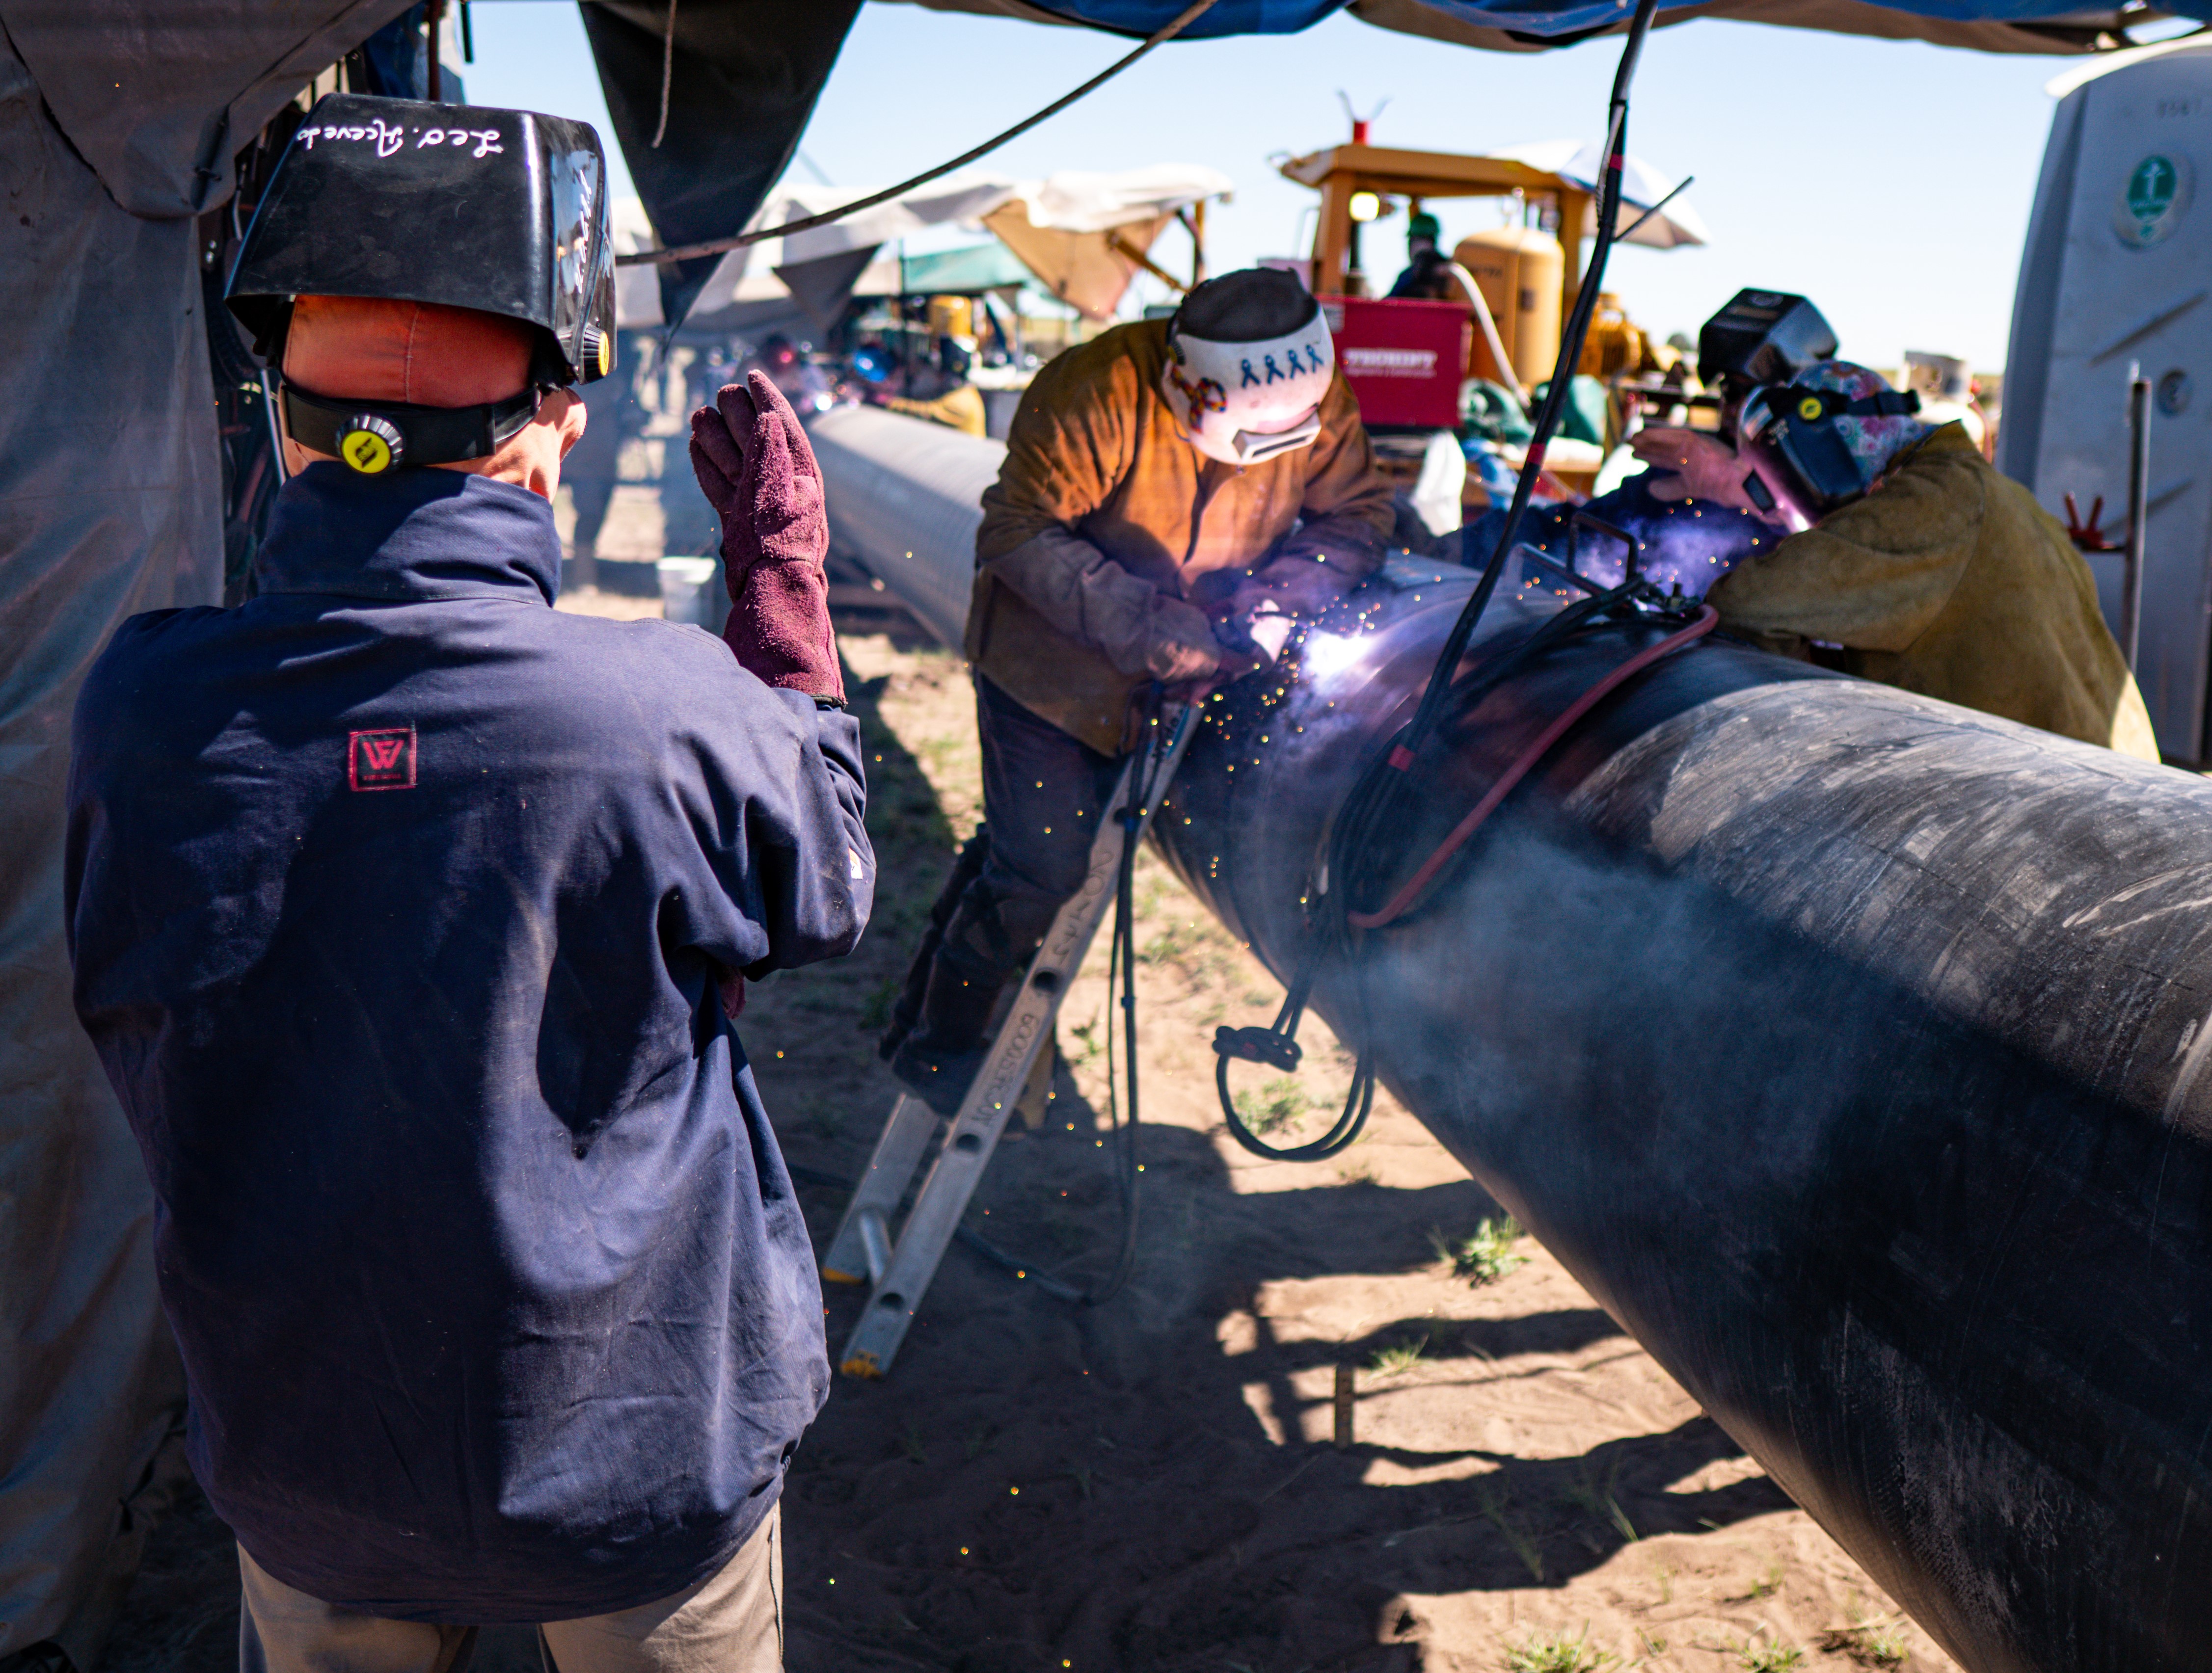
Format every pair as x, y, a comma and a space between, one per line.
1809, 409
366, 452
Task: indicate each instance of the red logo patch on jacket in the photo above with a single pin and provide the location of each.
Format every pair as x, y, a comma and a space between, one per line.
381, 760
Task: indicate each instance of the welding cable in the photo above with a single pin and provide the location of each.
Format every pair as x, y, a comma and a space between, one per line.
1358, 1105
1374, 799
1167, 31
1352, 830
1408, 892
1552, 412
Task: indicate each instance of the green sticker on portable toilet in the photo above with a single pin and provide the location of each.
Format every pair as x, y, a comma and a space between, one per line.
2151, 200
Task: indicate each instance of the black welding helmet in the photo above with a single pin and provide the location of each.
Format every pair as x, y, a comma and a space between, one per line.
1818, 442
1762, 337
502, 211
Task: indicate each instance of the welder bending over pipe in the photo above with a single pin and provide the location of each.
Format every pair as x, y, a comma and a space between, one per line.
1162, 485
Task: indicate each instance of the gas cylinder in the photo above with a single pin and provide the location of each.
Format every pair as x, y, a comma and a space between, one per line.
1520, 270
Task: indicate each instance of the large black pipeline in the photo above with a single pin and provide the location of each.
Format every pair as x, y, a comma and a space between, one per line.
1846, 1046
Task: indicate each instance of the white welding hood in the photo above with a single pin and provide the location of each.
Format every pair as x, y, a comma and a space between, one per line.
1244, 403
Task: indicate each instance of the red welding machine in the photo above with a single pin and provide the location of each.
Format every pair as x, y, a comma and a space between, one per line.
1404, 360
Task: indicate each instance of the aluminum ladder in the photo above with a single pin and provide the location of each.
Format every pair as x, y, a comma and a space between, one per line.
898, 1272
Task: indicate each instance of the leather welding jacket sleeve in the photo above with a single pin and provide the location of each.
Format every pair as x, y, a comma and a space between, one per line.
1095, 456
1949, 579
1090, 598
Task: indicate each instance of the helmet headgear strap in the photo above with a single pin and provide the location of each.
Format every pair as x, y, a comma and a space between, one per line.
373, 437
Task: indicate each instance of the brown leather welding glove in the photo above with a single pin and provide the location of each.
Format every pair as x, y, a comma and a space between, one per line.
757, 471
1297, 584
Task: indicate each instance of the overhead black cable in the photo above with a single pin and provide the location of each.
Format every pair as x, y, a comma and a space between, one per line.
716, 246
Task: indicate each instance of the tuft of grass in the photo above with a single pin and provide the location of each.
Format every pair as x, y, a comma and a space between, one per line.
1273, 1106
1492, 1501
1771, 1657
909, 1442
1089, 1042
979, 1441
1886, 1649
1546, 1652
1665, 1576
1767, 1584
1181, 938
1597, 1498
1399, 1356
1487, 1256
1868, 1643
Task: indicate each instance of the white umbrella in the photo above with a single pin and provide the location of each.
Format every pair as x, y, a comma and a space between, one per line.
1580, 163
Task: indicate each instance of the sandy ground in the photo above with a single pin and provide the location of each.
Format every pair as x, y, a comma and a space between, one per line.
1152, 1485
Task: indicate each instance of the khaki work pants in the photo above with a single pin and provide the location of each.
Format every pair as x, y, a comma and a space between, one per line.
730, 1623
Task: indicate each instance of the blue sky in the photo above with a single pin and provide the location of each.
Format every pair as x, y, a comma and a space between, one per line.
1889, 181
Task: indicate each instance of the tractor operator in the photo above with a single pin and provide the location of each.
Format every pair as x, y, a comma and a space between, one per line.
1427, 275
1162, 483
410, 918
1908, 556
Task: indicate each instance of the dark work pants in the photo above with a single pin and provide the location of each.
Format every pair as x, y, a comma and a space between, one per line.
1044, 794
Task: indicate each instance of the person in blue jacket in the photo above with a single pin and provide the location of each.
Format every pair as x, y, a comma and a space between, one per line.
410, 919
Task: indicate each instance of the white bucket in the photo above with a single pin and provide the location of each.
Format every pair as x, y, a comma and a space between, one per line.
689, 590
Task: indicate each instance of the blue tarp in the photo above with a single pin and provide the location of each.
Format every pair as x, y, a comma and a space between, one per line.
1531, 17
2040, 25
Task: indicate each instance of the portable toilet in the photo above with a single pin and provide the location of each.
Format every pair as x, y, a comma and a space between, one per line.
2118, 273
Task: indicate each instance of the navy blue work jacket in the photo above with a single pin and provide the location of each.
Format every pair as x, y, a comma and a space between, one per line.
398, 900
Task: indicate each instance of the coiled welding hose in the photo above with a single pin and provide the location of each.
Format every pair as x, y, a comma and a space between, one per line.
1372, 804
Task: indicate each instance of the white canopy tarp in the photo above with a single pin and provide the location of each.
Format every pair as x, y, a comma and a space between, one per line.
1080, 232
744, 290
1064, 228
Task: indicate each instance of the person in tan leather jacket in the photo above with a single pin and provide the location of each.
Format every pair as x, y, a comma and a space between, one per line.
1920, 566
942, 394
1161, 482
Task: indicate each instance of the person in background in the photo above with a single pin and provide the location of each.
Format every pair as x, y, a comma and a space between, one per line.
805, 385
1162, 484
941, 393
410, 919
1427, 275
1910, 560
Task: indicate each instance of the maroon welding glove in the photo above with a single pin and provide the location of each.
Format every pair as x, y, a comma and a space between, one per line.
759, 474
